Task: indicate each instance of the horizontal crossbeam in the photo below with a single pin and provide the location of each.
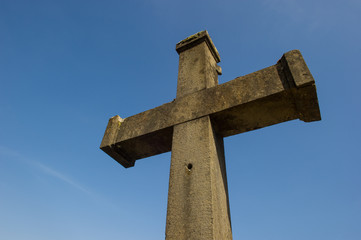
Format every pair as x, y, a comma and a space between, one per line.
276, 94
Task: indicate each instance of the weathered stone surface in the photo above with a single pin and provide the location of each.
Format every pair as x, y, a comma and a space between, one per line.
109, 138
194, 124
194, 40
198, 197
257, 100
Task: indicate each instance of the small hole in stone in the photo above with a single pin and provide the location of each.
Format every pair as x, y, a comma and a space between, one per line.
189, 166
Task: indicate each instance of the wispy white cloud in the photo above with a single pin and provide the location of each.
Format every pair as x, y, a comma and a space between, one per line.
10, 154
49, 171
6, 152
66, 179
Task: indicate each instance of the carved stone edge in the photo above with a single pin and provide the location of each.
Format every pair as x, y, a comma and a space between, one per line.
107, 144
196, 39
290, 67
302, 84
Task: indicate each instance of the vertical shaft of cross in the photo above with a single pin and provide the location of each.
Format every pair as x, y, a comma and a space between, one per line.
198, 206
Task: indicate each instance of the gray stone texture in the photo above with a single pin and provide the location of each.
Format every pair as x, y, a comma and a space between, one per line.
198, 198
193, 126
282, 92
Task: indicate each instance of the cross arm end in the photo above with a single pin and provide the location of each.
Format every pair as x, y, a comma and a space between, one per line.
107, 144
303, 86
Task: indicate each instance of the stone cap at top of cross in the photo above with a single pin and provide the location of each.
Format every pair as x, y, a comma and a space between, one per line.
196, 39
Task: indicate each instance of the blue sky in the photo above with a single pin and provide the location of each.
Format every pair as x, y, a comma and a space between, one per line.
66, 67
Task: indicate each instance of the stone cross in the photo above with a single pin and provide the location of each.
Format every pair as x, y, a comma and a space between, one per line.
194, 124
